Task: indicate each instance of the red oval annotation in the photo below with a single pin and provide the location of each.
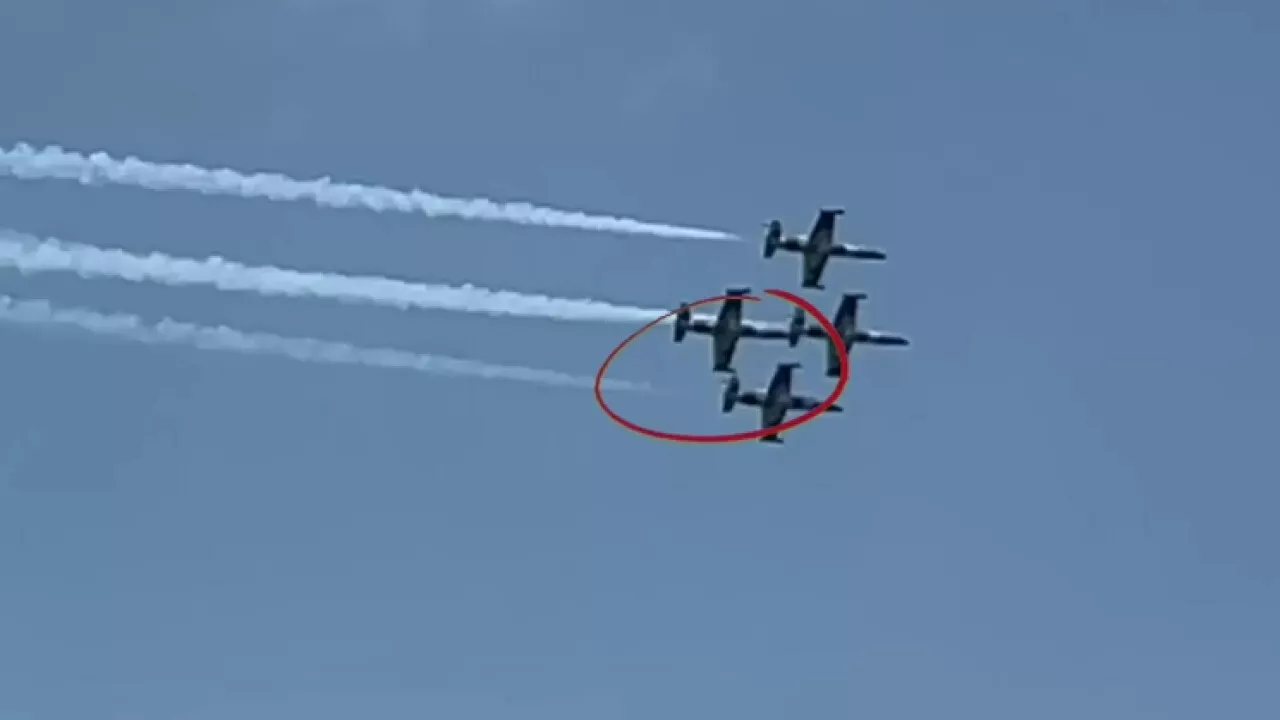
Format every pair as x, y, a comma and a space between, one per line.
745, 436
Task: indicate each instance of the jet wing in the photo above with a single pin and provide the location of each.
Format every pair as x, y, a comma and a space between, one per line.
722, 348
778, 395
813, 264
833, 359
824, 228
777, 400
730, 313
772, 413
817, 249
846, 323
728, 328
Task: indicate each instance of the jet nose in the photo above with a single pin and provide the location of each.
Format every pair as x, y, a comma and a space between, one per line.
835, 408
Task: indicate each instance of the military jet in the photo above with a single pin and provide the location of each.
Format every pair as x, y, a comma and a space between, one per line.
728, 327
774, 402
817, 248
846, 323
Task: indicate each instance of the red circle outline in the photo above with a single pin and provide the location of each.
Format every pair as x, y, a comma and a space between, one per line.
832, 333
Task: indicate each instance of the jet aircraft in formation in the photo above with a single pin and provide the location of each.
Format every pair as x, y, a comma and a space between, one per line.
729, 326
816, 248
846, 324
774, 401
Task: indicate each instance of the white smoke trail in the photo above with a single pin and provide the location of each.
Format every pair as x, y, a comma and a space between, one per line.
53, 162
29, 254
173, 332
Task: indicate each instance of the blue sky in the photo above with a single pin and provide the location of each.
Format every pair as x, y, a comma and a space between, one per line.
1055, 504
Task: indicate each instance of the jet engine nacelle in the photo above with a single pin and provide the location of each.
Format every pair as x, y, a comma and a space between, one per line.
682, 322
730, 398
772, 238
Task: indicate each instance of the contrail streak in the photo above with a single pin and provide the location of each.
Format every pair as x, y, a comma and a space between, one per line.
29, 254
53, 162
173, 332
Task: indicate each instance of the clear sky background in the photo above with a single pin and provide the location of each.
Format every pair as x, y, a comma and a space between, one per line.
1059, 503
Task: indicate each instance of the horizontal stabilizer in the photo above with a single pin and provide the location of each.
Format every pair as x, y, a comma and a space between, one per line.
730, 396
683, 317
796, 330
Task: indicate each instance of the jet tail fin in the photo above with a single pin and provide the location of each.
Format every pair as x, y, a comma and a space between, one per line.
730, 396
772, 237
796, 329
683, 316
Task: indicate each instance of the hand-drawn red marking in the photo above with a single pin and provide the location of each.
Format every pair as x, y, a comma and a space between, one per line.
792, 298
